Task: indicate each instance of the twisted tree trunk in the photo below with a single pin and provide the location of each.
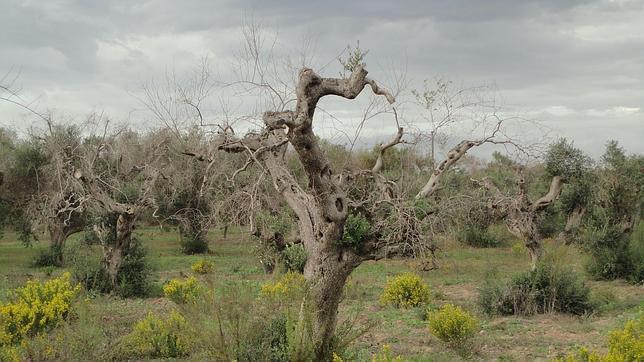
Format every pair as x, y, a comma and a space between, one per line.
322, 208
520, 213
113, 255
327, 269
59, 230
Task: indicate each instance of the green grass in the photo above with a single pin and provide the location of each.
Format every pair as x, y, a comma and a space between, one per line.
462, 271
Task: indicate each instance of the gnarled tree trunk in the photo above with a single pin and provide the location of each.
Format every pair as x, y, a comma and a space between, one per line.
520, 213
322, 209
59, 230
114, 254
329, 272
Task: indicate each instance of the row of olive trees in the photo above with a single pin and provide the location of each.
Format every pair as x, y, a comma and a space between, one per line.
108, 181
68, 178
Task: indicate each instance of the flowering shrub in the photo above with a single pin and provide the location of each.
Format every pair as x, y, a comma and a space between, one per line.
36, 307
624, 345
385, 355
627, 344
182, 292
203, 266
290, 286
519, 249
452, 325
160, 338
406, 290
580, 355
9, 354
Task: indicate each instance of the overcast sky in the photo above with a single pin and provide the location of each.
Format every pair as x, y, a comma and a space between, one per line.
578, 66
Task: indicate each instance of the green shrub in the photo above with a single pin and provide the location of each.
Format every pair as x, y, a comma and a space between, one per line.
133, 277
160, 338
636, 253
612, 255
404, 291
452, 325
90, 238
356, 229
271, 342
182, 292
87, 269
134, 273
493, 296
549, 288
477, 237
50, 256
193, 244
603, 299
36, 307
203, 266
294, 257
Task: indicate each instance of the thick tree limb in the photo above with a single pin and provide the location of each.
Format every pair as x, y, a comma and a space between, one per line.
555, 189
453, 156
381, 151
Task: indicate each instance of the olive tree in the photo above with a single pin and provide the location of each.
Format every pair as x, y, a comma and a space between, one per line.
616, 252
342, 216
61, 202
563, 163
118, 173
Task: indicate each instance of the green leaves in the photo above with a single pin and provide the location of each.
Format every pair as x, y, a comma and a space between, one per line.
356, 230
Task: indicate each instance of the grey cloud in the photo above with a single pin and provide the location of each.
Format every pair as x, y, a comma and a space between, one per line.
573, 54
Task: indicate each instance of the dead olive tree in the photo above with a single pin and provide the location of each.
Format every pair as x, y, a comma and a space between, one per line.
520, 213
188, 192
322, 208
563, 164
63, 200
118, 175
329, 208
343, 216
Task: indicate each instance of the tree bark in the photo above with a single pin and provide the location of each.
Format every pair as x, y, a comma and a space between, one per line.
328, 271
535, 249
59, 230
573, 220
453, 156
113, 254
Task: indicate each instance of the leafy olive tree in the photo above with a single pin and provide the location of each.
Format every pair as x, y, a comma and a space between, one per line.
616, 252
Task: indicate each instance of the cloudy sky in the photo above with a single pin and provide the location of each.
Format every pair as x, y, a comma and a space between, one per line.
577, 66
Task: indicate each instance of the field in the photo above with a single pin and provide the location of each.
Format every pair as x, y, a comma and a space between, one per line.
462, 271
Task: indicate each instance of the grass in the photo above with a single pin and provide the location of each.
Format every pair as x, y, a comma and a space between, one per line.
462, 270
